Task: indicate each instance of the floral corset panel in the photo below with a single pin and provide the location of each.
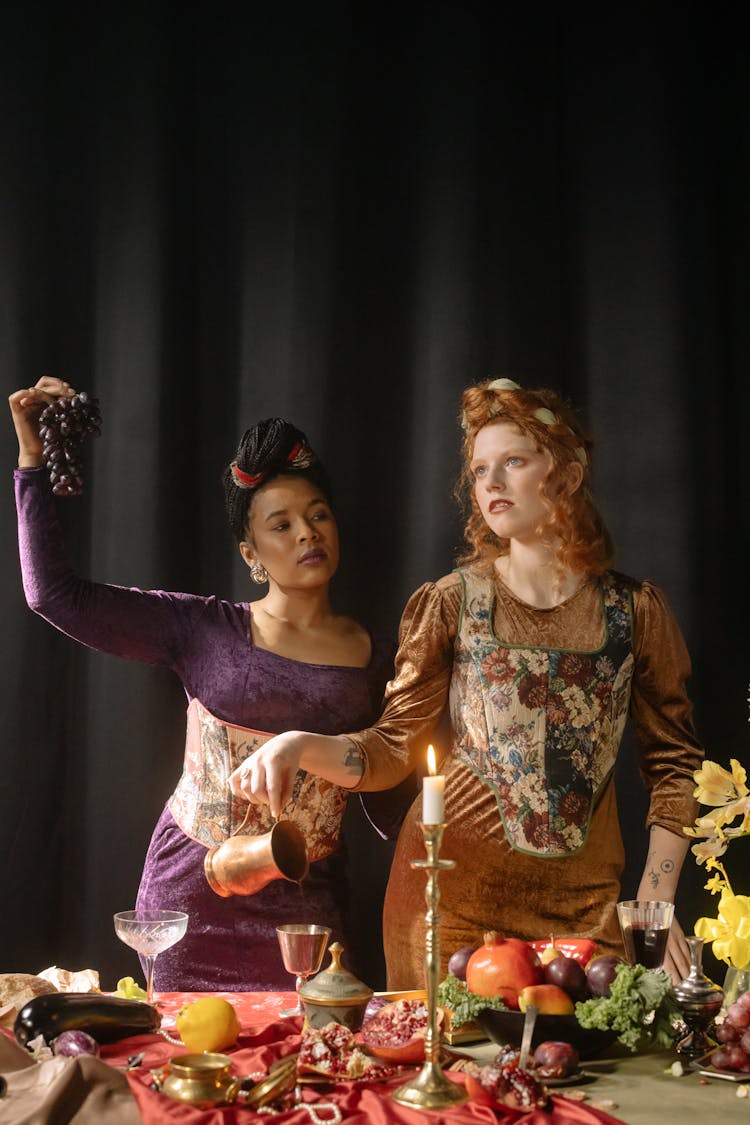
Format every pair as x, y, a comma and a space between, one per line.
206, 810
540, 727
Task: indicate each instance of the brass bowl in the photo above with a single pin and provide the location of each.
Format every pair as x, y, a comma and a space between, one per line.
205, 1080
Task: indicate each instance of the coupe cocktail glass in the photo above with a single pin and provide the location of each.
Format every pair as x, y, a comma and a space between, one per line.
150, 932
302, 949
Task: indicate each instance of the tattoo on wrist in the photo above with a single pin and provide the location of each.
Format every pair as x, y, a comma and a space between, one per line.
653, 878
667, 866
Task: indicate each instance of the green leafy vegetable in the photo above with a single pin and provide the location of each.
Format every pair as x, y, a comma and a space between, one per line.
641, 1008
129, 990
463, 1005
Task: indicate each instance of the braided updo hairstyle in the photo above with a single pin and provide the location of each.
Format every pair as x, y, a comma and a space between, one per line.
272, 448
582, 541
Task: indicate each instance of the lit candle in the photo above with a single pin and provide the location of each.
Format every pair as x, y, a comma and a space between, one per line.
433, 793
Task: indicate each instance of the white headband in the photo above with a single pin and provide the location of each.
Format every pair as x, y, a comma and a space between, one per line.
542, 414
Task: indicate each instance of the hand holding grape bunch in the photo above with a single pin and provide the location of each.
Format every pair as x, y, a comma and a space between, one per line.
51, 422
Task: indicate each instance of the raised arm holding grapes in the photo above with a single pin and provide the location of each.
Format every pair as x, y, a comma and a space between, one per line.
249, 671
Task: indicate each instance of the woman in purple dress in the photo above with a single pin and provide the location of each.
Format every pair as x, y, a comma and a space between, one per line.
286, 661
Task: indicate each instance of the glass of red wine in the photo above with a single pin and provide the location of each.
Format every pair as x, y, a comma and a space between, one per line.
645, 930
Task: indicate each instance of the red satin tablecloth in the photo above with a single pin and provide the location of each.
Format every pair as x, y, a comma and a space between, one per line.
267, 1037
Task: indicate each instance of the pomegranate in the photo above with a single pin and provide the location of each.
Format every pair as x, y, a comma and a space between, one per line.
502, 967
332, 1051
503, 1083
397, 1031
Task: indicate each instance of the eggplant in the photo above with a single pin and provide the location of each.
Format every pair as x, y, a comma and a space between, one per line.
105, 1018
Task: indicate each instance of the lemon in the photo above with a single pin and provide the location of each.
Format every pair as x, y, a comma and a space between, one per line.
208, 1024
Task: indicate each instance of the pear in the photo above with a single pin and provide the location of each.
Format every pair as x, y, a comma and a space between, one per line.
550, 952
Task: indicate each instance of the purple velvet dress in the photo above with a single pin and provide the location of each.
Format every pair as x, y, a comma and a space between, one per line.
231, 942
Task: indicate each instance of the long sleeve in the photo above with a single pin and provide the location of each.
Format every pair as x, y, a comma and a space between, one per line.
149, 626
417, 695
661, 712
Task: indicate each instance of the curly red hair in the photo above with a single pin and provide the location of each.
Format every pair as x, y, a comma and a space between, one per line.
581, 540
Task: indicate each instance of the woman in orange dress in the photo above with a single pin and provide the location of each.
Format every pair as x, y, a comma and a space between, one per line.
541, 652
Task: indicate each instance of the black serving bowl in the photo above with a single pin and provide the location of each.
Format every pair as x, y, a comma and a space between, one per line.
507, 1027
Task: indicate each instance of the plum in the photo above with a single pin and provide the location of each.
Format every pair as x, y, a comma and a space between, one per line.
460, 959
600, 973
555, 1059
567, 974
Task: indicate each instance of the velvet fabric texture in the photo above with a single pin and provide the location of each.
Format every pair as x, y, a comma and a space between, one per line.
494, 886
230, 943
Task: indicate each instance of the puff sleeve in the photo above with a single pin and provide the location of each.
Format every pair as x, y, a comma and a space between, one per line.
669, 750
417, 695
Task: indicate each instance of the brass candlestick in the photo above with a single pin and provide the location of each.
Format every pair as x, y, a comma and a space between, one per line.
431, 1089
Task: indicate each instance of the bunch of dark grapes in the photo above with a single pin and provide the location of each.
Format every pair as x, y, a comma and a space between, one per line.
63, 425
734, 1035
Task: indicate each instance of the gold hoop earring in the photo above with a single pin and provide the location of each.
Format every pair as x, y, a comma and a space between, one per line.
258, 573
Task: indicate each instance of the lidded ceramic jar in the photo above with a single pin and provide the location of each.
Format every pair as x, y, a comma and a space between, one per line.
335, 994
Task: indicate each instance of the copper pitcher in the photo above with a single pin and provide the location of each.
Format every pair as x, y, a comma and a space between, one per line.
243, 865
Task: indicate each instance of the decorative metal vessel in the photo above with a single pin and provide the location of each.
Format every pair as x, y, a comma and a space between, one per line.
335, 994
700, 1001
243, 865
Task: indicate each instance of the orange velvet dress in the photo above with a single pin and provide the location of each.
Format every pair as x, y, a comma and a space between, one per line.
538, 699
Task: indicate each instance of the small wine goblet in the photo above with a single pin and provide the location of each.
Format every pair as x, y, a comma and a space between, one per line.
302, 948
645, 930
150, 932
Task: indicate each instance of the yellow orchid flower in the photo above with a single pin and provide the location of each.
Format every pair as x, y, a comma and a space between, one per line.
715, 884
740, 776
730, 931
717, 786
725, 814
709, 849
727, 792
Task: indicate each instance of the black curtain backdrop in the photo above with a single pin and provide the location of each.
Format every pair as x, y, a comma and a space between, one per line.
345, 214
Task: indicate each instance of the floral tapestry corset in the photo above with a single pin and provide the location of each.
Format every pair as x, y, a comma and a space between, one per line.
205, 808
540, 727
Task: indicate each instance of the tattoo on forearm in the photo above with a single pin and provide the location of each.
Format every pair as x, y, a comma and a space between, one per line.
666, 867
354, 761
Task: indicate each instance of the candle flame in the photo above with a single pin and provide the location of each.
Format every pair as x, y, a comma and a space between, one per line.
431, 766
